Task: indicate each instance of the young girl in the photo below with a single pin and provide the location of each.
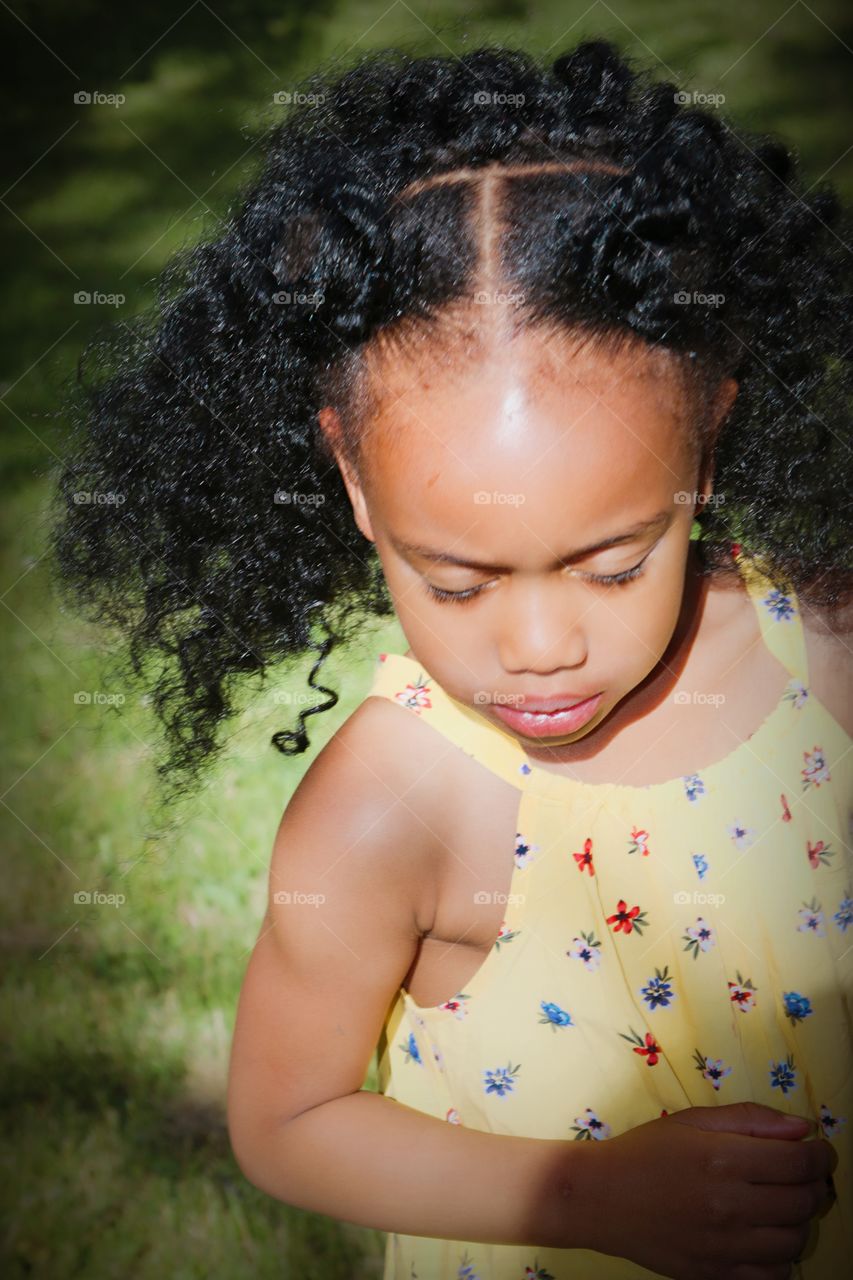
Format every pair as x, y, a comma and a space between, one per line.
554, 366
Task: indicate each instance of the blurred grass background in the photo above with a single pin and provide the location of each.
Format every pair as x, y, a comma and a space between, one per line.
118, 1017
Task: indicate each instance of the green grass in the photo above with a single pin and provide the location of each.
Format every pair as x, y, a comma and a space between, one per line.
119, 1016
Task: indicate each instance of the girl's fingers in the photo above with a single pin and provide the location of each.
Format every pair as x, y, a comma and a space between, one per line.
770, 1247
773, 1160
781, 1206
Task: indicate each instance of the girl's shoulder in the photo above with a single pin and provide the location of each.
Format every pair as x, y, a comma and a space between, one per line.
385, 779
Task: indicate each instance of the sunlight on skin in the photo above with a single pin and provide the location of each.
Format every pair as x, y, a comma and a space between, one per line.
571, 447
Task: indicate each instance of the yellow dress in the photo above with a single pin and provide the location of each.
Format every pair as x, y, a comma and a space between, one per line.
687, 943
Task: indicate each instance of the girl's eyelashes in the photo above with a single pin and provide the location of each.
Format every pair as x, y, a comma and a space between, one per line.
608, 580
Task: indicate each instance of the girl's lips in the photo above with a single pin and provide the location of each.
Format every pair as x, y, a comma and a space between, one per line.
548, 724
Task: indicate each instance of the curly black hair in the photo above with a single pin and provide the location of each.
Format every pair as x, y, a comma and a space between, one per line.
621, 212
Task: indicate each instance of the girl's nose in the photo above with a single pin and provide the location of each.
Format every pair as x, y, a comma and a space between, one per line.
543, 629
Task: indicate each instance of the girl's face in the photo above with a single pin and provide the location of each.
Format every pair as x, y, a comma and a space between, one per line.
514, 488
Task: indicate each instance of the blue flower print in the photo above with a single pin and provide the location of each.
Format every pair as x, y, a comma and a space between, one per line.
694, 787
783, 1075
466, 1269
590, 1126
779, 605
700, 862
797, 1007
811, 919
411, 1050
796, 693
713, 1069
554, 1016
742, 837
523, 851
658, 993
500, 1080
844, 915
829, 1123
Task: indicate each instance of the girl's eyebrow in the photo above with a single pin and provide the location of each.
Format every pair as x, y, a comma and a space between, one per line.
444, 557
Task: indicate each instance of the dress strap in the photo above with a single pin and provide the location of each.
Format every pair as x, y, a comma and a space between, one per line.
779, 613
404, 680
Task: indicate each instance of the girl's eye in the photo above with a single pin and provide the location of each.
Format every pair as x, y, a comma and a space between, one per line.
608, 580
615, 579
458, 596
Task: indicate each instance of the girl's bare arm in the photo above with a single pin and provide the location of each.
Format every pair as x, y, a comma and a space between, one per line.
358, 865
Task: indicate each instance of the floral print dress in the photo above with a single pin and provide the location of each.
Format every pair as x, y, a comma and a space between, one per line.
687, 943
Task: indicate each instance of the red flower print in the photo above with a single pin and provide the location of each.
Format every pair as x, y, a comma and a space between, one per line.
646, 1046
786, 812
819, 853
650, 1051
627, 920
639, 842
584, 860
415, 696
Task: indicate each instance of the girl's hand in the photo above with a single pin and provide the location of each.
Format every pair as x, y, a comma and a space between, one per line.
711, 1193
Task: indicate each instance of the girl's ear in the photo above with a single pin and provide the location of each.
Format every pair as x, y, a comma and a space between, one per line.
724, 398
330, 425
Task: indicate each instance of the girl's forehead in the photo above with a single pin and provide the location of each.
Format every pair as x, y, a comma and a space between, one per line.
529, 413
